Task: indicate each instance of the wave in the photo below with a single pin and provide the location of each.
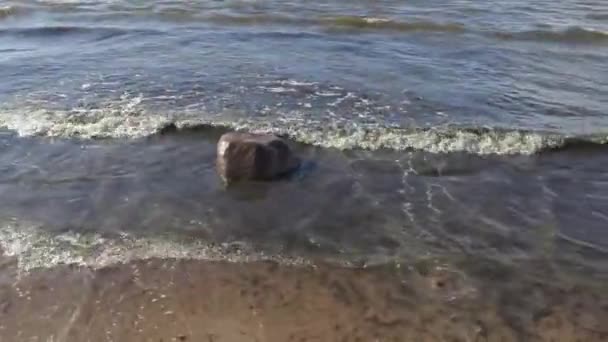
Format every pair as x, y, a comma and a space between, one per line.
122, 118
387, 24
351, 22
573, 34
127, 120
474, 140
50, 31
258, 19
56, 31
10, 11
36, 248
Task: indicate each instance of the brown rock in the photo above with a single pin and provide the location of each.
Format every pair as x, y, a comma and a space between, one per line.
248, 156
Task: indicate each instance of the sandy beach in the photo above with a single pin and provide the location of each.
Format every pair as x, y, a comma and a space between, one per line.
180, 300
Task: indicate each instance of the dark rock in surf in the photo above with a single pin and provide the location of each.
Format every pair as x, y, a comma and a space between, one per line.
248, 156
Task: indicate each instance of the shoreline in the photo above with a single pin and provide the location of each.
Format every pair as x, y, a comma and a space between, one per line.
194, 300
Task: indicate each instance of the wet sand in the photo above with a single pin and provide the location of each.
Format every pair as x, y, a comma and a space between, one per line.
183, 300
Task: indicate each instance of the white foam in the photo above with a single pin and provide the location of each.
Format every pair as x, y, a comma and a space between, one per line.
6, 9
127, 118
124, 118
295, 83
279, 90
327, 93
372, 20
34, 248
374, 137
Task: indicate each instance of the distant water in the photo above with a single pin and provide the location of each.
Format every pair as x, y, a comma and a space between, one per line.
430, 129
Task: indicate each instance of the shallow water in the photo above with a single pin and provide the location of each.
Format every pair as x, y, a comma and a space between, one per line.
470, 134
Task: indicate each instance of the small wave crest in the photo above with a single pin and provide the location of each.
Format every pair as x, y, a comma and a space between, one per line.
127, 118
351, 22
573, 34
388, 24
35, 248
10, 11
258, 19
123, 118
482, 141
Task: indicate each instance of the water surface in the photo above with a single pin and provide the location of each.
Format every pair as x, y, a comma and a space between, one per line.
468, 134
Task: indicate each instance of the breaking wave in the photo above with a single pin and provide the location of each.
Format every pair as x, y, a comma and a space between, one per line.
35, 248
123, 118
573, 34
475, 140
9, 11
126, 119
387, 24
352, 22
